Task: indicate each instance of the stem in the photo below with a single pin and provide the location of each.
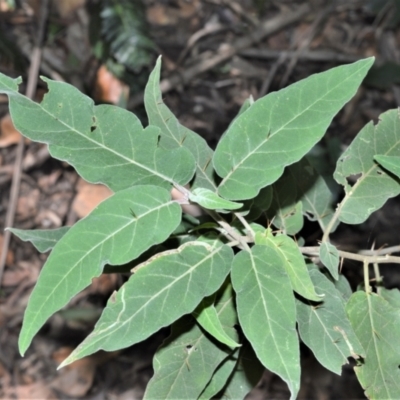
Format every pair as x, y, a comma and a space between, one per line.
366, 277
221, 221
331, 224
246, 225
378, 278
384, 259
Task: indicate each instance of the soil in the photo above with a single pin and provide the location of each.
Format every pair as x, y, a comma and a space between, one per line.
188, 34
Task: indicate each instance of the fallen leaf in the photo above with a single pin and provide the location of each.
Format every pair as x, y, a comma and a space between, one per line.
76, 379
10, 254
27, 205
66, 8
8, 134
108, 88
88, 197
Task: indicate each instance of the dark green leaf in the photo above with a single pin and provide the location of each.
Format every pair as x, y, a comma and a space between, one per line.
376, 324
325, 328
162, 290
373, 185
329, 256
116, 232
43, 239
267, 312
186, 361
174, 135
105, 144
280, 128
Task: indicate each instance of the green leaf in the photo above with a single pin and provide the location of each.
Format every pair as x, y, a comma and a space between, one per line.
43, 239
104, 143
374, 185
392, 296
206, 315
280, 128
245, 376
312, 191
391, 163
267, 313
376, 324
329, 256
126, 34
174, 135
342, 285
325, 328
293, 262
210, 200
163, 289
285, 211
116, 232
221, 376
186, 361
252, 209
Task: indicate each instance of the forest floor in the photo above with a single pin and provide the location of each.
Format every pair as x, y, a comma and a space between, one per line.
216, 53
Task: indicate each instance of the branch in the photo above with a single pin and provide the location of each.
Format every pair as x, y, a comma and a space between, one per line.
375, 258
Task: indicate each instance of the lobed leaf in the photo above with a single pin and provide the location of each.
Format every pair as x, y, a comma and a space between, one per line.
43, 239
376, 324
115, 232
373, 184
293, 262
325, 328
329, 256
174, 135
186, 361
267, 313
163, 289
280, 128
105, 144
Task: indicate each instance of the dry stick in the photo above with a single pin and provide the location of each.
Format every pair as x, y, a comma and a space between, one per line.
314, 55
305, 44
30, 91
267, 28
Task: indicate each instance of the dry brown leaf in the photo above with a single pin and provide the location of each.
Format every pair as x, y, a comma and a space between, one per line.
88, 197
8, 134
14, 276
158, 14
10, 254
76, 379
108, 88
27, 205
66, 8
37, 390
104, 284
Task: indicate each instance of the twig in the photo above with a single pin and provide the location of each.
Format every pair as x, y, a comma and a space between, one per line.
30, 91
380, 259
226, 52
305, 44
314, 55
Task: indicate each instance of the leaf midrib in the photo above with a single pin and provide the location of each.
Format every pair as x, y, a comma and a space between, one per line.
198, 167
70, 270
259, 285
234, 169
99, 144
95, 337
